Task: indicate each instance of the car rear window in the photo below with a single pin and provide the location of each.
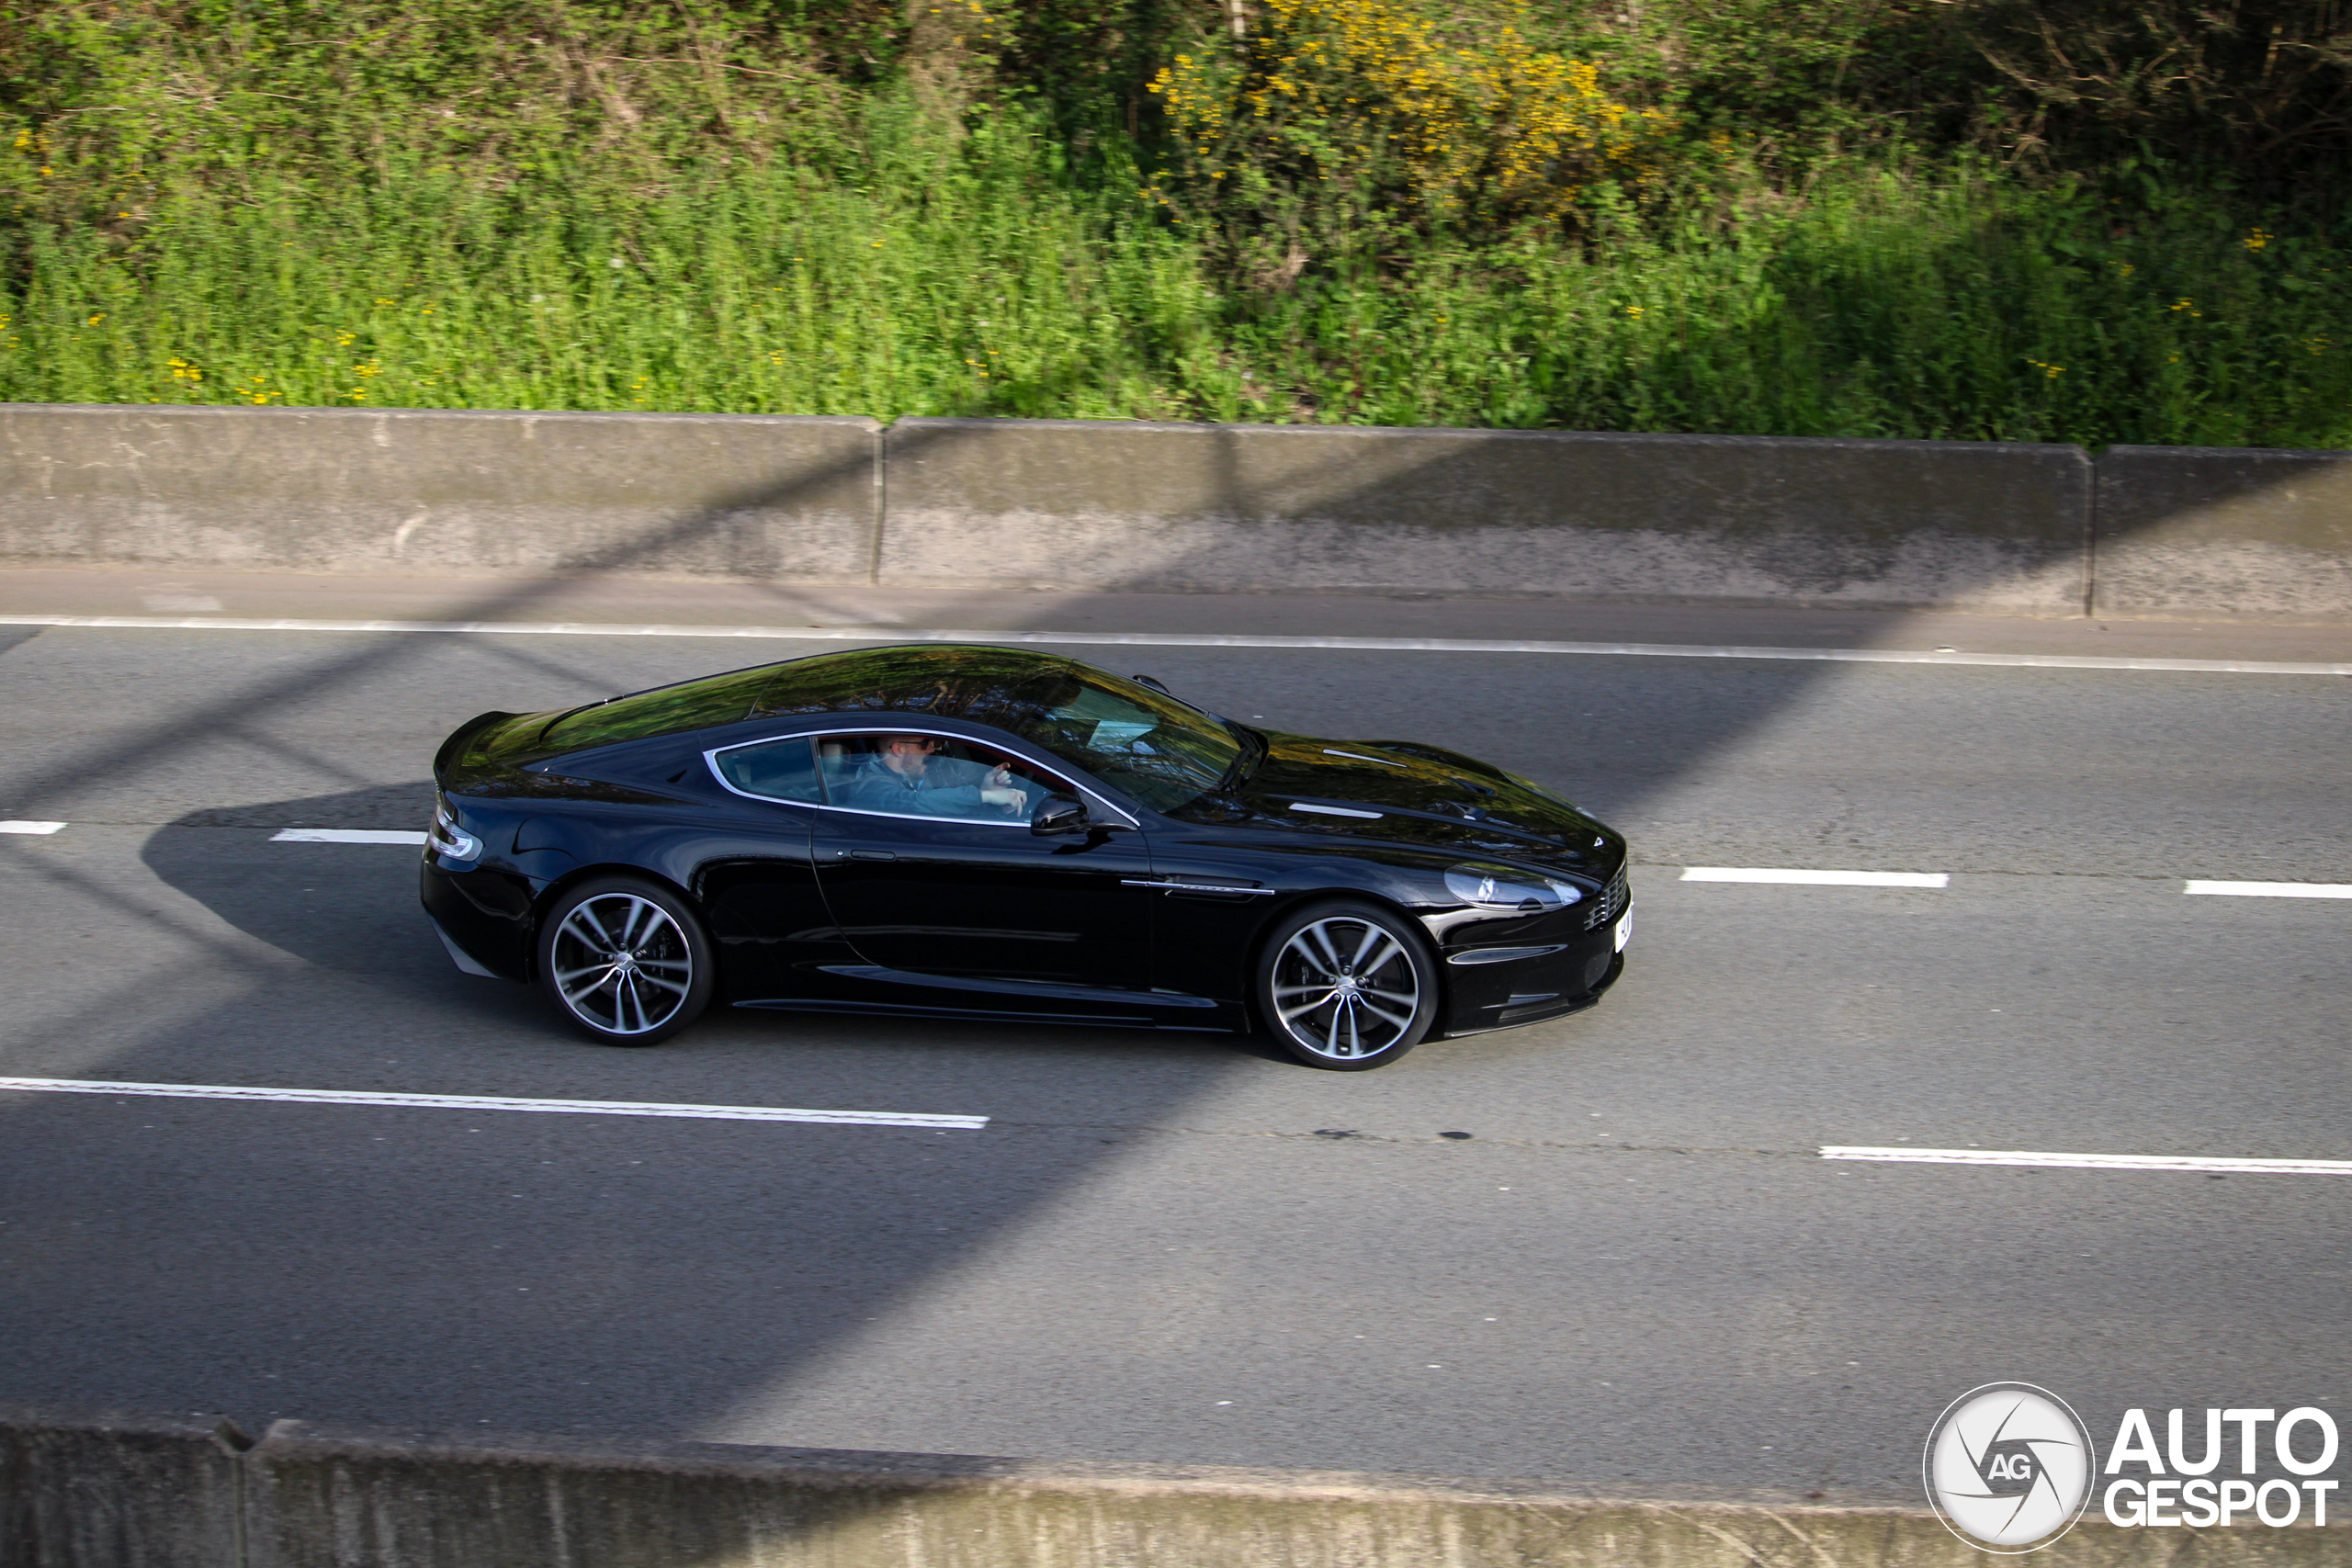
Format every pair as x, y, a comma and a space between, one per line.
664, 710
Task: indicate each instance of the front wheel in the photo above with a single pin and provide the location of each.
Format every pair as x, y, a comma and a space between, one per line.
625, 962
1347, 986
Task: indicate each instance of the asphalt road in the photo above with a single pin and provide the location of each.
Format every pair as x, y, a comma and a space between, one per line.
1636, 1270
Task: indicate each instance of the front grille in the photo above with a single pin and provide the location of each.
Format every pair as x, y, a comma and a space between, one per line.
1611, 904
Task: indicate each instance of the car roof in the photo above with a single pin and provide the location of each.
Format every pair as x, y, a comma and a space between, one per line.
937, 680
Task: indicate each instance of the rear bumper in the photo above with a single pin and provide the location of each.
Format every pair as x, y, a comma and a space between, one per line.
486, 915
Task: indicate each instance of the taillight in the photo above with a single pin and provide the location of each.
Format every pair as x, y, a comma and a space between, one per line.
451, 840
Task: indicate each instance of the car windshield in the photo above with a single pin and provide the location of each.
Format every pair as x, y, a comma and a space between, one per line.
1145, 742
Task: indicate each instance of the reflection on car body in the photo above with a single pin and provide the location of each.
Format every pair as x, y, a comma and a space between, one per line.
973, 832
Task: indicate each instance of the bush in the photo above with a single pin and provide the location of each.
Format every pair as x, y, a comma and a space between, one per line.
1335, 123
1771, 217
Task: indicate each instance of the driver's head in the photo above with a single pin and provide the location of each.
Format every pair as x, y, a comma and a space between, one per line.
906, 754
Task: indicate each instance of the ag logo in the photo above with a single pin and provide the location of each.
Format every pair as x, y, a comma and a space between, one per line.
2009, 1467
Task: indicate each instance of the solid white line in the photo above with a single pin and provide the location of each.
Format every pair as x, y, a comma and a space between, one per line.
2093, 1162
1817, 878
34, 827
1200, 639
488, 1102
2273, 889
346, 836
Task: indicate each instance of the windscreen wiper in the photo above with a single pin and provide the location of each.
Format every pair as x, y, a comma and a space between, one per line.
1245, 764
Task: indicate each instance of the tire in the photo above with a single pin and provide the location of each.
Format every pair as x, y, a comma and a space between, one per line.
625, 961
1347, 986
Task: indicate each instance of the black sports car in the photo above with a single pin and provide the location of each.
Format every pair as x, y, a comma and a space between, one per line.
971, 832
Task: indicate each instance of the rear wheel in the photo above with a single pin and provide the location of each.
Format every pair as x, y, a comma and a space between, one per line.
625, 961
1347, 986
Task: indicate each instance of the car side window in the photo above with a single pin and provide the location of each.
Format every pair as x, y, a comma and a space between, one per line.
772, 769
931, 775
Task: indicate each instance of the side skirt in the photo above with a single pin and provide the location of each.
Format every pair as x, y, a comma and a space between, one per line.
974, 1015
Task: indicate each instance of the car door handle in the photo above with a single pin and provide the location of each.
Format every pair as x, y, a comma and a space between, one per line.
867, 854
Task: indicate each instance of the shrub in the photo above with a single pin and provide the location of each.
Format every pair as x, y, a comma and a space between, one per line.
1335, 118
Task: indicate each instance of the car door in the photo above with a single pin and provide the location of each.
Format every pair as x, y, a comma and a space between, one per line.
752, 872
935, 878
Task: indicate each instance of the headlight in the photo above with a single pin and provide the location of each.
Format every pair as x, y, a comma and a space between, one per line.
1527, 892
453, 841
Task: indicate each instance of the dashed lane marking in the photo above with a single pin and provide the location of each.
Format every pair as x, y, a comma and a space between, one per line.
2272, 889
1202, 639
489, 1103
2092, 1162
1817, 878
346, 836
32, 828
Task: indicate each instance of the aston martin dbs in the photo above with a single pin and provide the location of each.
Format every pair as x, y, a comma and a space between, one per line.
964, 832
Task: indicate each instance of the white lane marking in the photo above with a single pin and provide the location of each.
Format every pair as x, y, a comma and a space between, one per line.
2273, 889
1202, 639
489, 1103
33, 828
1817, 878
2092, 1162
346, 836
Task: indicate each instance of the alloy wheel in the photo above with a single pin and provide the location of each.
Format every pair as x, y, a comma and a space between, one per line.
1345, 989
621, 963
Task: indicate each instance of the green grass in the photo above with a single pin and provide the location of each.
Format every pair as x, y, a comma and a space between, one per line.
922, 275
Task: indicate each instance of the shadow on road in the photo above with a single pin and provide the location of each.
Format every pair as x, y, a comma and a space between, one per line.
569, 1273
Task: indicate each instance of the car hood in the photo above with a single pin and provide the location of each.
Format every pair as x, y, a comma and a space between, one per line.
1422, 796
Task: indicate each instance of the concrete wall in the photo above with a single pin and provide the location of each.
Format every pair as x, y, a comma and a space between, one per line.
1072, 504
1660, 518
102, 1489
425, 492
2221, 531
104, 1497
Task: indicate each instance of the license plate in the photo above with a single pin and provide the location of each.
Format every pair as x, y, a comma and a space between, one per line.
1625, 929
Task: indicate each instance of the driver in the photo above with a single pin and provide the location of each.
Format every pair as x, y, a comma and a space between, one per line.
903, 777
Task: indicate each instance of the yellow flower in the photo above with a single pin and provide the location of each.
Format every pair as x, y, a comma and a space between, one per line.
2257, 237
94, 321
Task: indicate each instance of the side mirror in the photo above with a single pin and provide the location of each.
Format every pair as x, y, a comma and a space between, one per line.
1059, 814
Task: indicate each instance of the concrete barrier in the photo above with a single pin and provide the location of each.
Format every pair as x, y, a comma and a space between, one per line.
1733, 520
101, 1490
312, 1496
411, 490
1089, 506
2224, 532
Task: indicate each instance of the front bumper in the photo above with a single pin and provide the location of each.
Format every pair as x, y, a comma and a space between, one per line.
1500, 974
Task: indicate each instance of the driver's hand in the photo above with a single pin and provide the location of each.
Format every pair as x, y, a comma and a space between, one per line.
1002, 776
